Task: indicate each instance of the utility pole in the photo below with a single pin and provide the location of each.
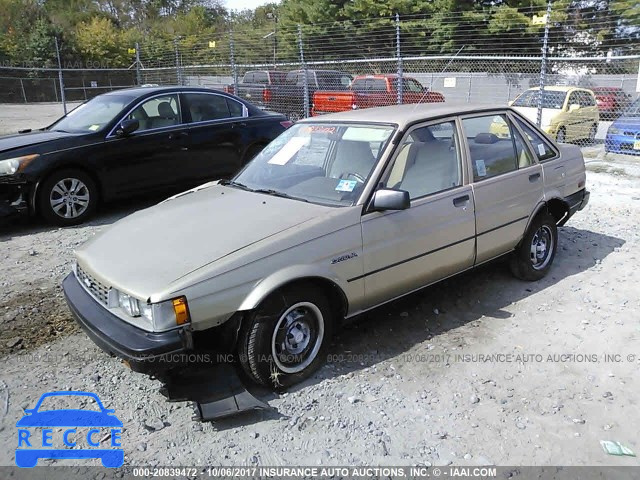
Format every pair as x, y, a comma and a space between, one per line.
543, 67
60, 79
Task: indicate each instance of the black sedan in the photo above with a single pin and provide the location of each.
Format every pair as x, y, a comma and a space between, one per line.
128, 142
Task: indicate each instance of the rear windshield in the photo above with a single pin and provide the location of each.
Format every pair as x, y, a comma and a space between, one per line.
277, 78
551, 99
633, 110
333, 80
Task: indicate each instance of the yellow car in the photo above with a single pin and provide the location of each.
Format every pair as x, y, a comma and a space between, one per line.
569, 114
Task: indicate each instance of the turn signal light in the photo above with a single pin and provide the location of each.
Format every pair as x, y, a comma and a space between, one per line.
181, 311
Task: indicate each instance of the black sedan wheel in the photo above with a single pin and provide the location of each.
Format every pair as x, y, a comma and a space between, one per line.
284, 340
67, 197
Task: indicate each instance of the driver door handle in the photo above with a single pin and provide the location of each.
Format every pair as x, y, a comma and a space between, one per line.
461, 201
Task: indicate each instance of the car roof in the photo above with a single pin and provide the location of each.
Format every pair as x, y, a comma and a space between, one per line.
561, 88
404, 115
140, 91
606, 89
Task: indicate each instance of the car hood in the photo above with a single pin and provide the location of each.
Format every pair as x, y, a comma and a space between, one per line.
146, 252
13, 142
631, 124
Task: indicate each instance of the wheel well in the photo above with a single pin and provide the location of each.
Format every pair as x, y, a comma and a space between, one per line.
36, 192
557, 208
336, 297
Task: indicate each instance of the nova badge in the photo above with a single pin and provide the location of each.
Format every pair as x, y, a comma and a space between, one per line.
342, 258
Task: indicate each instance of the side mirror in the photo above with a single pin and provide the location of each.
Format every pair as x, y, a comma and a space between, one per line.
389, 199
573, 107
127, 127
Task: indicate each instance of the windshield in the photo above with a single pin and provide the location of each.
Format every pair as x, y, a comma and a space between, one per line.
319, 163
93, 115
551, 99
633, 110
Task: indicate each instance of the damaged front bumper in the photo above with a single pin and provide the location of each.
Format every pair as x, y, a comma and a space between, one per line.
215, 387
14, 195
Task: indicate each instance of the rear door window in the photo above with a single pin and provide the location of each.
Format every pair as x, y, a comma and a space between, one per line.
541, 147
495, 146
261, 77
205, 107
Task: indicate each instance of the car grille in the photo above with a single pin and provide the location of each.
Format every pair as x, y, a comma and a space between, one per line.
97, 290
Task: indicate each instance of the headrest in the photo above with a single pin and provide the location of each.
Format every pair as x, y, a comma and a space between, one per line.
485, 138
165, 110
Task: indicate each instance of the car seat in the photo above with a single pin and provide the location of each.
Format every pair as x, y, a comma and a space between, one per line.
431, 167
166, 116
352, 157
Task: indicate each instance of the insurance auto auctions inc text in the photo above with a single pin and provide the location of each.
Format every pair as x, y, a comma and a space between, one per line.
352, 472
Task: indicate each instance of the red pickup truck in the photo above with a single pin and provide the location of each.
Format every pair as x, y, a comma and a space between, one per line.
368, 91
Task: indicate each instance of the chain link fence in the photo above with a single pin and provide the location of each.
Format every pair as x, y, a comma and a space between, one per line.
308, 70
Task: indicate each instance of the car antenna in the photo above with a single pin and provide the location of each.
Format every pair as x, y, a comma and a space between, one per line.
441, 72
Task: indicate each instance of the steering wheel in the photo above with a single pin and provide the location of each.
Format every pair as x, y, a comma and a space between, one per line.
357, 176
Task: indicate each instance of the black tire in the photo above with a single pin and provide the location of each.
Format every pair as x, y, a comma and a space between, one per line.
79, 209
561, 136
258, 345
528, 266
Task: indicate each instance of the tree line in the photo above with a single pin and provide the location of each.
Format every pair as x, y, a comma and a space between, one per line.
105, 31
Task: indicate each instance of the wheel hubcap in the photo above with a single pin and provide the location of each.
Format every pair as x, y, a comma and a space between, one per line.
297, 337
69, 198
541, 247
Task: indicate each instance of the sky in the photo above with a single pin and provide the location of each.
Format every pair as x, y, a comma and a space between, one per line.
242, 4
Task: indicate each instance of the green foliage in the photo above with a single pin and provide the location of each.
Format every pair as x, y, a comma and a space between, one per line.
99, 40
104, 30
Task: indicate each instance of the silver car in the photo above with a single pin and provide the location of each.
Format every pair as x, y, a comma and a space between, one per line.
337, 216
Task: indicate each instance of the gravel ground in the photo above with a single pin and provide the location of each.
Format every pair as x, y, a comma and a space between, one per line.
415, 382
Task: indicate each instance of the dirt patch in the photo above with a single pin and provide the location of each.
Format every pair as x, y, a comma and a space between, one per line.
34, 317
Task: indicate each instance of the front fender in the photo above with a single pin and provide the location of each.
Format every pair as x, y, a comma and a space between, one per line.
288, 275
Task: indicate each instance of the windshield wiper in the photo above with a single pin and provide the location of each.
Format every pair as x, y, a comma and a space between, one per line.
277, 193
231, 183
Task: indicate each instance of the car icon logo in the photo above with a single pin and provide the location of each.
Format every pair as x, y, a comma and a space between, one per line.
69, 433
88, 283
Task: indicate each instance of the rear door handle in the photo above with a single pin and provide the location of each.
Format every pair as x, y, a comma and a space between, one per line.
461, 201
534, 177
240, 124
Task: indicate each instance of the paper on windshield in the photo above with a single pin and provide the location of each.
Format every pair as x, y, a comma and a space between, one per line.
365, 134
287, 152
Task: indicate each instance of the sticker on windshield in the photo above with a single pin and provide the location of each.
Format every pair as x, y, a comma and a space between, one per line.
541, 149
287, 152
93, 128
346, 185
481, 168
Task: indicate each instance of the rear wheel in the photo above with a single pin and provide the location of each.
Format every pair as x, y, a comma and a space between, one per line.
532, 259
67, 197
285, 339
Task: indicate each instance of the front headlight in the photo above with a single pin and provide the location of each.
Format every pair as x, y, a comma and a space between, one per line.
163, 316
11, 166
129, 304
